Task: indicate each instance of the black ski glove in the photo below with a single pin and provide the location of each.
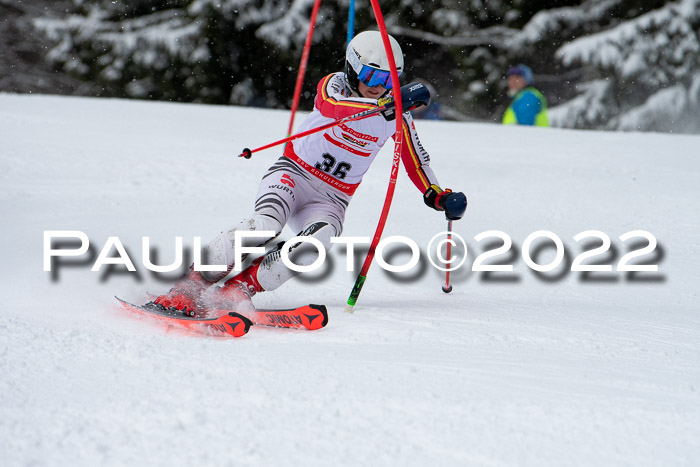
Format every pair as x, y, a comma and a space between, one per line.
452, 203
412, 95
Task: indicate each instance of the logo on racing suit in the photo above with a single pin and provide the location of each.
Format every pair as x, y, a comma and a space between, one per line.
287, 180
357, 134
350, 139
343, 134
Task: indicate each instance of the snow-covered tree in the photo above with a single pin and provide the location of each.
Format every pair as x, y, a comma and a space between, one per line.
652, 66
215, 51
465, 50
247, 51
639, 65
613, 64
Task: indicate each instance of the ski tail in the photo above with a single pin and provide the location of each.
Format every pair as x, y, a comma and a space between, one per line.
309, 317
230, 323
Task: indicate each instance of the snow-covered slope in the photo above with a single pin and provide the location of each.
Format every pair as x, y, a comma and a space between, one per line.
517, 368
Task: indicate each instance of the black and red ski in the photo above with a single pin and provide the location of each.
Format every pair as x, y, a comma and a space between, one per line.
230, 322
309, 317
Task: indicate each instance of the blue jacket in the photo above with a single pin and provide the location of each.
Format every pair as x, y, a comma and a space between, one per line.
529, 107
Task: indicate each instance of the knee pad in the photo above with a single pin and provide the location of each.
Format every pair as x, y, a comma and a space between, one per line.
272, 271
221, 250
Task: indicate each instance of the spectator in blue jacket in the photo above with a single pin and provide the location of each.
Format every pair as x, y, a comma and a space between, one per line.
529, 106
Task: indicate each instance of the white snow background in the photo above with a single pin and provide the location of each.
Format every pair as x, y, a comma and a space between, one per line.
547, 370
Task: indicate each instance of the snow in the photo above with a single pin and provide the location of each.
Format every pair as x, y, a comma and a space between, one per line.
530, 370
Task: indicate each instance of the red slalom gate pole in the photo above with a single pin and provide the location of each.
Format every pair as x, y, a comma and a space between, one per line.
302, 65
357, 288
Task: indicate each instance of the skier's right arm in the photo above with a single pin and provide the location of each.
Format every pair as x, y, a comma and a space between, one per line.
331, 102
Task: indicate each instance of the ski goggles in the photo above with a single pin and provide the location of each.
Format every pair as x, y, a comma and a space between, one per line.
371, 77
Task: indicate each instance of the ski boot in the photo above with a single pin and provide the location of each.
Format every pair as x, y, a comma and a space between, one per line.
239, 290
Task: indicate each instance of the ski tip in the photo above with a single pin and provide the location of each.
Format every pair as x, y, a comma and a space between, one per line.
123, 302
349, 309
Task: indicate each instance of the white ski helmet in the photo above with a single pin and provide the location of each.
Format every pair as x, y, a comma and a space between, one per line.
366, 60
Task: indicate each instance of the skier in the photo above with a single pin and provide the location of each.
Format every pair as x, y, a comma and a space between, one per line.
529, 106
311, 185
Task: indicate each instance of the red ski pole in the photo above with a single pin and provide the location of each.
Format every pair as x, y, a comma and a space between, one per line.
247, 153
447, 288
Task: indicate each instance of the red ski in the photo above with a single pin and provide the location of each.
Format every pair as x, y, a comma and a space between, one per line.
231, 323
309, 317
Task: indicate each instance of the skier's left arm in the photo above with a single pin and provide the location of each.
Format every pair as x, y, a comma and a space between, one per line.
416, 161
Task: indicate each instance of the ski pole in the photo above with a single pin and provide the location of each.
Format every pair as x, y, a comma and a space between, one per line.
247, 153
412, 95
447, 288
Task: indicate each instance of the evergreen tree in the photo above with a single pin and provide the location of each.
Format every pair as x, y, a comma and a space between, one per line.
643, 73
613, 64
632, 65
212, 51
